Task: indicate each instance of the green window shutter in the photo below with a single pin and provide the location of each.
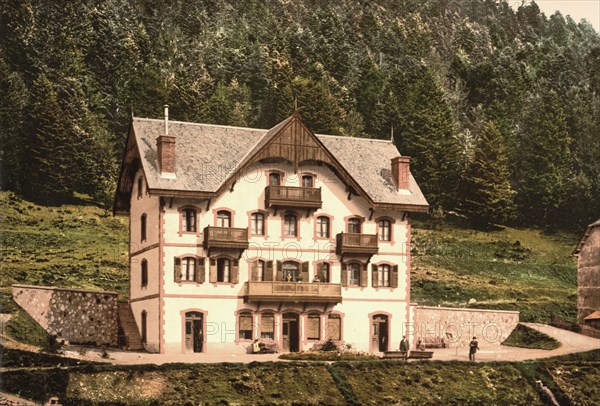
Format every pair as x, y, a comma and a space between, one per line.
279, 274
235, 272
344, 274
305, 277
394, 277
374, 279
254, 271
320, 272
269, 271
177, 270
212, 277
364, 275
200, 272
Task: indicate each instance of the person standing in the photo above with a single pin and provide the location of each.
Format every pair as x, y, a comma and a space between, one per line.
473, 347
404, 346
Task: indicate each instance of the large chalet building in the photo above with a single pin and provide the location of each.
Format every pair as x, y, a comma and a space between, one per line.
280, 235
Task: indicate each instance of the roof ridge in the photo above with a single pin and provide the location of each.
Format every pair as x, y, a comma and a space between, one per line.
202, 124
354, 138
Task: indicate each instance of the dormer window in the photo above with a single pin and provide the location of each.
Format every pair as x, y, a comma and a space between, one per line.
274, 179
354, 225
223, 219
308, 181
189, 220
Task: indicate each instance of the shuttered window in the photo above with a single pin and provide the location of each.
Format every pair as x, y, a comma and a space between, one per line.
188, 269
223, 270
313, 327
334, 327
290, 225
267, 326
383, 275
245, 326
354, 274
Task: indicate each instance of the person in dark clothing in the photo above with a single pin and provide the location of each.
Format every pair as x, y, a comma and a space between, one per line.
404, 346
473, 347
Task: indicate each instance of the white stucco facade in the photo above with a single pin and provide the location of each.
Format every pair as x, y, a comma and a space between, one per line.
167, 302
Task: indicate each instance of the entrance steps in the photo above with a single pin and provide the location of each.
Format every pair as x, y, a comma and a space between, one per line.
128, 330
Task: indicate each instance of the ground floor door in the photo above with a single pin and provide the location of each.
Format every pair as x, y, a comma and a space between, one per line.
194, 334
290, 332
380, 333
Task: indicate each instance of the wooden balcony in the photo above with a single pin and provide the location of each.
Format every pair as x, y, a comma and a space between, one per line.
356, 244
315, 292
292, 196
225, 238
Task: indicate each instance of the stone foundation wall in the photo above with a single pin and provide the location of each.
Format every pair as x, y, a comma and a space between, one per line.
75, 315
457, 326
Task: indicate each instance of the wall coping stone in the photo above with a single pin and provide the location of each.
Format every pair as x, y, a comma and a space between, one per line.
55, 288
465, 309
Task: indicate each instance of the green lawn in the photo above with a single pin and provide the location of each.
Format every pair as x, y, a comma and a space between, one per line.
510, 269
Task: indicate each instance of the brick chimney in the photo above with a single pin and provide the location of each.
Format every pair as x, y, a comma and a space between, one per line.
401, 171
166, 149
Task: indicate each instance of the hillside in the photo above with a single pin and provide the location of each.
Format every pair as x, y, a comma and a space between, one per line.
86, 247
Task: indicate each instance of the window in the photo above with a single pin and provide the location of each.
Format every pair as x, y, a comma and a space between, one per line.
307, 181
189, 220
290, 271
140, 187
260, 270
385, 230
144, 273
383, 275
290, 225
313, 328
325, 277
143, 227
245, 326
223, 270
144, 327
257, 226
353, 273
223, 219
322, 227
334, 327
267, 326
274, 179
354, 225
188, 269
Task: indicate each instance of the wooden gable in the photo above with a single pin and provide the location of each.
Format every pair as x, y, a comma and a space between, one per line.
129, 166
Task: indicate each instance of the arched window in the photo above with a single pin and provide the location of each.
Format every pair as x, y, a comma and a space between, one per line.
385, 230
290, 225
291, 271
144, 327
189, 220
144, 273
354, 225
274, 179
188, 269
383, 275
308, 181
143, 227
223, 219
323, 227
140, 187
313, 327
245, 326
354, 273
267, 326
223, 270
257, 224
334, 327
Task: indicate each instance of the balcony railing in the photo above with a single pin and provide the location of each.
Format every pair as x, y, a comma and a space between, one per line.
292, 196
294, 291
349, 243
225, 237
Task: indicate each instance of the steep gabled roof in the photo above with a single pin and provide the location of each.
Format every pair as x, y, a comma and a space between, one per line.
588, 231
209, 157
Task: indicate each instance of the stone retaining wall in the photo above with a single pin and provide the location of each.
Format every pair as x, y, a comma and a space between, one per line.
457, 326
74, 315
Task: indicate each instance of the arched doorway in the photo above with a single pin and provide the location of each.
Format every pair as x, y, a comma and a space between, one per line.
380, 333
290, 332
194, 332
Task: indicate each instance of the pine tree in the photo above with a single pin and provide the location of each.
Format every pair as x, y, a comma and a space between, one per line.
488, 196
51, 174
544, 167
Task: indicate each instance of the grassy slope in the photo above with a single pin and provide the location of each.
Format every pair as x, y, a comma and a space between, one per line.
70, 246
83, 246
423, 383
526, 337
511, 269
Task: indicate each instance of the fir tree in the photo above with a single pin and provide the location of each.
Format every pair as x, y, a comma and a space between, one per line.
544, 168
51, 171
488, 196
